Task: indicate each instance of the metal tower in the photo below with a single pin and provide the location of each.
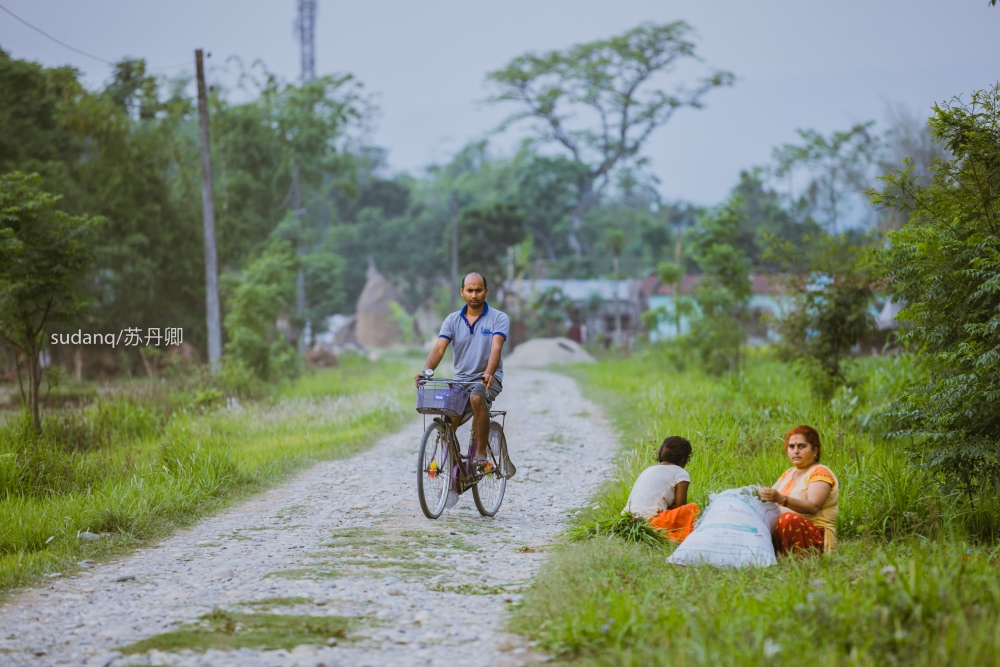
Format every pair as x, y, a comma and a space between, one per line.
306, 28
305, 25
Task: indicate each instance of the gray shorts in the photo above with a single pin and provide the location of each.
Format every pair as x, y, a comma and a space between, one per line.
479, 389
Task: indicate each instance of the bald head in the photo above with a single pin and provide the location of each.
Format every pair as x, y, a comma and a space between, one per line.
473, 276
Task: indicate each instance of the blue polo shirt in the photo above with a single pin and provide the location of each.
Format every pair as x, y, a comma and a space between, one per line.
473, 342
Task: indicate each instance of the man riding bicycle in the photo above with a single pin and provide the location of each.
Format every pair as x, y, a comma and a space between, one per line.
478, 333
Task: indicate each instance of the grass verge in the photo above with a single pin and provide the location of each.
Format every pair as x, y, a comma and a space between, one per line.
914, 581
136, 468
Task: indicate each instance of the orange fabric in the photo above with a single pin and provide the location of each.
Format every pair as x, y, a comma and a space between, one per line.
794, 533
678, 522
822, 474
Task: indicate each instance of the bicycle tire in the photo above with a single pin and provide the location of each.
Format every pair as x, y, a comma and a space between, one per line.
434, 482
488, 491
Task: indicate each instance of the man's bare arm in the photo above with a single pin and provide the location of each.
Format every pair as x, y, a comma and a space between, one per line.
436, 354
491, 366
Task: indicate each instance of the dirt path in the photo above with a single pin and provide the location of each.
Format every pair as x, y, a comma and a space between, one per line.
345, 538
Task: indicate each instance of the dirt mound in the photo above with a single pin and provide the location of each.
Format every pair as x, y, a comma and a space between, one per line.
547, 351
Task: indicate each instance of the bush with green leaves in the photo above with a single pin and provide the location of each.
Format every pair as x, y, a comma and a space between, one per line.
547, 313
44, 256
944, 265
829, 282
255, 299
721, 297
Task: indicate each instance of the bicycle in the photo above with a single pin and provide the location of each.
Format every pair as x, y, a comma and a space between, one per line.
443, 472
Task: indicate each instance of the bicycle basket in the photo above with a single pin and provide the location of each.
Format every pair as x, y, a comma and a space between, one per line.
442, 397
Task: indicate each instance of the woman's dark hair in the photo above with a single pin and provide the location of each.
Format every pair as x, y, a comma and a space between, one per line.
809, 433
676, 450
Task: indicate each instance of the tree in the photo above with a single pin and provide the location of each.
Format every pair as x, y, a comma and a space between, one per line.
149, 249
44, 255
615, 83
548, 312
763, 215
671, 273
256, 297
36, 136
944, 265
829, 279
117, 153
546, 192
838, 166
723, 291
614, 241
256, 144
907, 136
485, 233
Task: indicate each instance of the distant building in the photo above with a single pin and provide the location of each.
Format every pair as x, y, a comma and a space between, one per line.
886, 318
593, 300
769, 301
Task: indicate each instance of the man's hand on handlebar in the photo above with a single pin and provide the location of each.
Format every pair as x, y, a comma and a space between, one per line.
423, 375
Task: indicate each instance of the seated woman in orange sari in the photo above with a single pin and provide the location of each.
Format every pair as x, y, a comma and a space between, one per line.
660, 492
807, 493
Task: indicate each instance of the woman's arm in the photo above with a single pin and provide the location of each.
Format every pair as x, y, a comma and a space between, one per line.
816, 495
680, 495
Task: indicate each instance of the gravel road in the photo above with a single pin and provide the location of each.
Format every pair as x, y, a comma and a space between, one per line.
344, 538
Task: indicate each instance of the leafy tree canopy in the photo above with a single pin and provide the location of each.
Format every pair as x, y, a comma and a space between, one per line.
944, 265
613, 84
837, 166
44, 254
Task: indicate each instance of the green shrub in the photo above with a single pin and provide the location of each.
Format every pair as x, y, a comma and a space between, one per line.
256, 298
943, 265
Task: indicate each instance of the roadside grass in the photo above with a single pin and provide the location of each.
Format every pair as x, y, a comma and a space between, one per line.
628, 607
226, 630
914, 580
137, 465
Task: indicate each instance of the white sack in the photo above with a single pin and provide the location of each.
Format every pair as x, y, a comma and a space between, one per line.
734, 531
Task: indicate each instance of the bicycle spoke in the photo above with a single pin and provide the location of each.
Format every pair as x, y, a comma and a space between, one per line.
489, 490
433, 471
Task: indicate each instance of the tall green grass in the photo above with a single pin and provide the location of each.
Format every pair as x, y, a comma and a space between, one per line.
132, 466
736, 425
629, 607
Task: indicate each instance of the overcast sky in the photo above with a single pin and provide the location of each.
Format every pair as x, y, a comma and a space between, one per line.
800, 64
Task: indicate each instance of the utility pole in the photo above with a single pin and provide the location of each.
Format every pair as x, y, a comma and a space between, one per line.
616, 261
306, 27
680, 280
300, 277
454, 248
208, 222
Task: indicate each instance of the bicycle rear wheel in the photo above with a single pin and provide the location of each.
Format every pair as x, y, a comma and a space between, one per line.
434, 470
488, 491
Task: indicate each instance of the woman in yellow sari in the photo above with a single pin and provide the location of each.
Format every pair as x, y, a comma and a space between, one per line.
807, 493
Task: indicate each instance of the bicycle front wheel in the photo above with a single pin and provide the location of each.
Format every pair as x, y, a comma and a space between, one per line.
488, 491
434, 470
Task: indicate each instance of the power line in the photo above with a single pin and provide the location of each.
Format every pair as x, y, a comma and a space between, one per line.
80, 51
57, 41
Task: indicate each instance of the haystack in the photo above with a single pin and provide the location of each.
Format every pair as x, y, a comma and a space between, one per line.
375, 326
